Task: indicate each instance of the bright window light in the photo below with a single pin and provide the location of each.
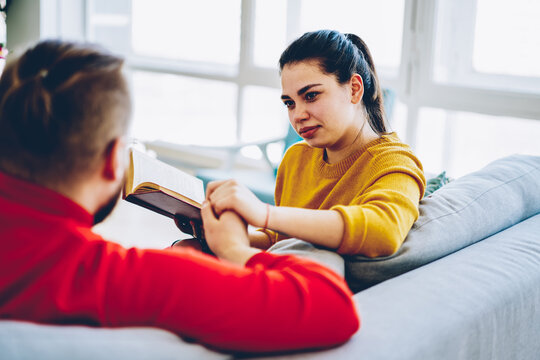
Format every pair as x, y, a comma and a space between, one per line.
265, 116
206, 31
378, 23
270, 32
462, 142
183, 110
507, 37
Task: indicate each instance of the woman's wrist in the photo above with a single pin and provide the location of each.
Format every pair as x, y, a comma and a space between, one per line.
268, 208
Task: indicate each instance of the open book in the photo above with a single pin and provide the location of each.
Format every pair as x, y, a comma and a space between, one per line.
162, 188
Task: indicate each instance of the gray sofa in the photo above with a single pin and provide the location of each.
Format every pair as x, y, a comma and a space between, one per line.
465, 285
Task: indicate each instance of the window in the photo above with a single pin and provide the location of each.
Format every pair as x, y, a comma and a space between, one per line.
512, 48
463, 81
474, 139
488, 44
179, 30
172, 108
183, 73
378, 23
270, 35
205, 72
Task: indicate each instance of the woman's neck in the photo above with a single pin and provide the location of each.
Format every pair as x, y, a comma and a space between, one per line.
364, 136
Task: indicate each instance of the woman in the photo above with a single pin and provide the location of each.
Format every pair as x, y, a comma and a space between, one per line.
350, 186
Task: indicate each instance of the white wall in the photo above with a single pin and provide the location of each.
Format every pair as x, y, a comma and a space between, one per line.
28, 21
22, 24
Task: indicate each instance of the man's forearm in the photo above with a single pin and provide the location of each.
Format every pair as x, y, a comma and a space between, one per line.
238, 254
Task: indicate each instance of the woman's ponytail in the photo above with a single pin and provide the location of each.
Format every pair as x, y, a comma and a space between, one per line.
373, 99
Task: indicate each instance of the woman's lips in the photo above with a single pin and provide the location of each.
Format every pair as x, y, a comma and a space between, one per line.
308, 131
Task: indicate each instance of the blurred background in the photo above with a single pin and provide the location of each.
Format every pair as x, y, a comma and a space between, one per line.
466, 72
205, 80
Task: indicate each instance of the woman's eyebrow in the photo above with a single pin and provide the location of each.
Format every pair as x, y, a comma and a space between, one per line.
301, 91
306, 88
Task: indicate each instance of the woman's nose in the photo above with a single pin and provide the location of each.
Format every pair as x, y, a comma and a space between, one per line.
300, 113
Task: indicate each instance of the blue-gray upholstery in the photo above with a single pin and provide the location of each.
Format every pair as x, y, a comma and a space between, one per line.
480, 303
457, 215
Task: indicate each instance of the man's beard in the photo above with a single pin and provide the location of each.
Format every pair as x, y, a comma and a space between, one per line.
106, 209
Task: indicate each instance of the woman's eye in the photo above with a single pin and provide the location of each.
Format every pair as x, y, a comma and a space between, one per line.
288, 103
311, 96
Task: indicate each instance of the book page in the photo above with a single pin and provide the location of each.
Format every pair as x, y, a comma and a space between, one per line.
148, 169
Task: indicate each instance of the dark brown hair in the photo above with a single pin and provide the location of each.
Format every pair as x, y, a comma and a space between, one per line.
342, 55
61, 105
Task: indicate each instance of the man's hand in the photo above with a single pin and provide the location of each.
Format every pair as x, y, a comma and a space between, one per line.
230, 195
227, 235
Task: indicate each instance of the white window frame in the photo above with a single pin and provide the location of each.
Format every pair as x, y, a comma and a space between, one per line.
418, 88
245, 74
415, 84
422, 90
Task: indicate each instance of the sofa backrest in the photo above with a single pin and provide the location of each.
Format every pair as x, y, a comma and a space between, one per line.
459, 214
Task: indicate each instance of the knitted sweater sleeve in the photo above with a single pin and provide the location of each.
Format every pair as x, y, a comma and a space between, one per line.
378, 220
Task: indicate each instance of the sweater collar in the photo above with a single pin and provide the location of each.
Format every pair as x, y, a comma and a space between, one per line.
42, 199
340, 168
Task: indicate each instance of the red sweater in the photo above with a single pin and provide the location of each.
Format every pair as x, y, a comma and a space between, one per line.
54, 269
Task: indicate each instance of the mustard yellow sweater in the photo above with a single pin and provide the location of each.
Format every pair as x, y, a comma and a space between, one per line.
376, 190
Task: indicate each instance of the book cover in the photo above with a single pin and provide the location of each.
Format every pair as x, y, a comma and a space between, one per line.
162, 188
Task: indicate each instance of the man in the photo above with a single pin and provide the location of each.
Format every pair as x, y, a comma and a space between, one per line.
64, 111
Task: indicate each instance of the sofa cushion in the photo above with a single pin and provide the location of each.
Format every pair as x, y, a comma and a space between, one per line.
479, 303
26, 340
457, 215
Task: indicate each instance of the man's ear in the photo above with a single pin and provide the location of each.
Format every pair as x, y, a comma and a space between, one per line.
114, 159
357, 88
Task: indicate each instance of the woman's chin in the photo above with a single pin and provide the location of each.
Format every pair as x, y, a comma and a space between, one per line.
315, 143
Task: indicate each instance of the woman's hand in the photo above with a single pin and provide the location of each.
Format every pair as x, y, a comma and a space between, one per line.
230, 195
227, 235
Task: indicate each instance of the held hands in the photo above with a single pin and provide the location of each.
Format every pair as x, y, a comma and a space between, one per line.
228, 207
230, 195
227, 235
220, 234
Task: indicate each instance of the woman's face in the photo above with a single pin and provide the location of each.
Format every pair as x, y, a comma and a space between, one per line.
321, 110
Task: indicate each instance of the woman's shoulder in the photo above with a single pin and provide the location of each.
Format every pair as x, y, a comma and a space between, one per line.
391, 154
390, 145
